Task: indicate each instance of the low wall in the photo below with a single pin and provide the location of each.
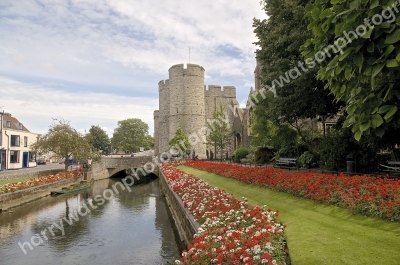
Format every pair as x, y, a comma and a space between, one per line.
183, 220
12, 199
24, 174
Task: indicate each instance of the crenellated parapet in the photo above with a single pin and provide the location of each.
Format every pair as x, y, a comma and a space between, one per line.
220, 91
163, 84
189, 70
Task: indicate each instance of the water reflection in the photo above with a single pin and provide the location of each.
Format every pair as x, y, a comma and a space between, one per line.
130, 228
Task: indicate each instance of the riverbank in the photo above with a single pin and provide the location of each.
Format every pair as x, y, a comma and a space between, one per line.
32, 172
19, 197
18, 193
183, 221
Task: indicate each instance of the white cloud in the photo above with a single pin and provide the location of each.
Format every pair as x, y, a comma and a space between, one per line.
37, 106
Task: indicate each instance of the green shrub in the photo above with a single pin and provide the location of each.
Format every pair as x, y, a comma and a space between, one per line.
263, 155
338, 144
308, 160
241, 153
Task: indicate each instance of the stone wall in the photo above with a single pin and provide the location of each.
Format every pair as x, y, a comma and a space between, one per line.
108, 166
12, 199
156, 131
164, 108
22, 174
183, 220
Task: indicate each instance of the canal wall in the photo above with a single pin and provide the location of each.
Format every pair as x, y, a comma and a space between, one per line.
13, 199
183, 220
24, 174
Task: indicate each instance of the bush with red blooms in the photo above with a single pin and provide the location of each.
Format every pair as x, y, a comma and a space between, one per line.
11, 187
371, 196
231, 231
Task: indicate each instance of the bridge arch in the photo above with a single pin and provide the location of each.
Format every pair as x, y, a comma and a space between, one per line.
109, 166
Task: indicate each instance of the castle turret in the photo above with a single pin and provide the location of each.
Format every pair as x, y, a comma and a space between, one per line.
163, 118
186, 106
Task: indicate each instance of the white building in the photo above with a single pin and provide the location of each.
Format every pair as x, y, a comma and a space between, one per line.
15, 141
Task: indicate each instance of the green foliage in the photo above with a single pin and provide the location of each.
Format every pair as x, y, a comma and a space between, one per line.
66, 142
180, 142
241, 153
340, 143
302, 97
308, 160
219, 132
130, 135
148, 142
263, 155
366, 73
99, 139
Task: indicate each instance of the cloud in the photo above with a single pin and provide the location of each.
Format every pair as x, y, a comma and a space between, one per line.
36, 107
115, 52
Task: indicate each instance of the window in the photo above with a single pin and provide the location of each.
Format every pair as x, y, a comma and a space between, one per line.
20, 126
7, 124
32, 157
25, 141
14, 156
14, 140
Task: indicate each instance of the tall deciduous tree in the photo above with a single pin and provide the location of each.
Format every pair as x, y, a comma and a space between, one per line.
220, 133
357, 44
130, 135
99, 139
180, 142
66, 142
299, 95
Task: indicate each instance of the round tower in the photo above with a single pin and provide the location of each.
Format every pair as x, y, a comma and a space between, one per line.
186, 105
163, 116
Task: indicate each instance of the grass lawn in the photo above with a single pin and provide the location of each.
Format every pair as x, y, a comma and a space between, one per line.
317, 233
2, 182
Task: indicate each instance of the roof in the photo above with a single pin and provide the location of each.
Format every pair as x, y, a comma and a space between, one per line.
14, 122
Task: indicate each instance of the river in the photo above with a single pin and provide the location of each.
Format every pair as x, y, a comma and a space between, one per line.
114, 227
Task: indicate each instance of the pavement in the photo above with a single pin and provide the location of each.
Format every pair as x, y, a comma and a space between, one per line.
14, 173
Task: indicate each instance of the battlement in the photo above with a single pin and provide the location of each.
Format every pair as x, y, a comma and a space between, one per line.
220, 91
163, 84
178, 70
188, 66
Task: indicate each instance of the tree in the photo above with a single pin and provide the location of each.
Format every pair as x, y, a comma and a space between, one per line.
66, 142
357, 45
180, 142
130, 135
148, 142
99, 139
300, 97
220, 134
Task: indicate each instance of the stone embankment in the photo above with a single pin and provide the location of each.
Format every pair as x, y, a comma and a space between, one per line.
19, 174
13, 199
183, 220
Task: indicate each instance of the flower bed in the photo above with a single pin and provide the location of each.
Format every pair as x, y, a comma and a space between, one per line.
366, 195
231, 231
11, 187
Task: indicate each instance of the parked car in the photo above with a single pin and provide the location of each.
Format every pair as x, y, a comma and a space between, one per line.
41, 161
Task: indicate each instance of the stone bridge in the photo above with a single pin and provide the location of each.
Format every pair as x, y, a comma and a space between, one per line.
109, 166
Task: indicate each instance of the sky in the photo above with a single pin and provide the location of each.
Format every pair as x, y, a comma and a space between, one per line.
97, 62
